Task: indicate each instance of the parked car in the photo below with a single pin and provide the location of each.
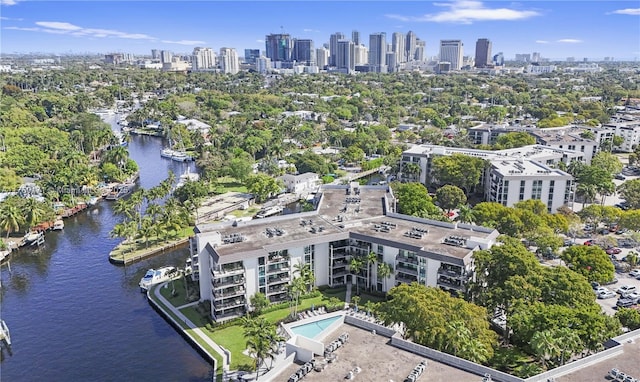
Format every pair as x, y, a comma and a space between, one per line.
620, 177
635, 296
568, 242
613, 251
606, 294
635, 273
601, 289
626, 289
595, 285
625, 303
589, 242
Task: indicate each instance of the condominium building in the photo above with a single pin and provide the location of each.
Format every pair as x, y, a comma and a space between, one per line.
398, 47
279, 47
507, 168
238, 260
451, 51
567, 139
304, 52
333, 46
203, 59
625, 124
410, 45
345, 56
251, 56
229, 62
322, 57
361, 54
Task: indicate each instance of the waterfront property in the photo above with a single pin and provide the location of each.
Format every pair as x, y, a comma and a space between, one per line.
238, 259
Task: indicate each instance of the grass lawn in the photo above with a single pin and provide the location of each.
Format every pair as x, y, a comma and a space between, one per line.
132, 249
180, 298
248, 212
232, 339
228, 184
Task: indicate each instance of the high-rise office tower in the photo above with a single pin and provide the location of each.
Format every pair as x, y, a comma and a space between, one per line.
361, 55
355, 37
251, 55
498, 59
418, 55
203, 58
155, 54
483, 53
345, 59
279, 47
303, 52
229, 62
398, 47
410, 45
333, 46
263, 64
451, 51
392, 62
378, 52
535, 57
322, 57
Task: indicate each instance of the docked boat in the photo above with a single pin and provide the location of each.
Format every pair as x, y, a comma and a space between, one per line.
188, 176
157, 276
5, 336
93, 201
176, 155
34, 238
120, 190
270, 211
58, 225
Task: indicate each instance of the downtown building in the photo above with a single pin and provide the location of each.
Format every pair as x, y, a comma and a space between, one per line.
378, 52
451, 52
511, 176
279, 49
203, 59
483, 53
229, 61
238, 260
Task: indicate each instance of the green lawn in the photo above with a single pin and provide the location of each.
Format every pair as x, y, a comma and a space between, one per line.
228, 184
138, 247
232, 339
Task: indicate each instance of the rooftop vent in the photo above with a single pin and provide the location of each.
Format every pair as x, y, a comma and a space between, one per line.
456, 240
233, 238
271, 232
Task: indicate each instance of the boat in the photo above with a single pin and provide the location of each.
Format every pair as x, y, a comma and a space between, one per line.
270, 211
157, 276
34, 238
92, 201
188, 176
5, 336
119, 190
58, 225
178, 156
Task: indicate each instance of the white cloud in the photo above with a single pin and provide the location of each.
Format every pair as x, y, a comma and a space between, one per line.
627, 11
260, 41
58, 25
307, 30
542, 42
184, 42
569, 41
466, 12
10, 18
8, 2
22, 29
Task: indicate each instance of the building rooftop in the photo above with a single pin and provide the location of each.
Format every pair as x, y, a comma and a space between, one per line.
526, 168
532, 152
364, 214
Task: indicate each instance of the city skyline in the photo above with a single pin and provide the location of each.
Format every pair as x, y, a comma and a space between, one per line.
594, 29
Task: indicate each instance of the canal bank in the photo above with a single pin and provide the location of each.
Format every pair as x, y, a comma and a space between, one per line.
119, 257
206, 347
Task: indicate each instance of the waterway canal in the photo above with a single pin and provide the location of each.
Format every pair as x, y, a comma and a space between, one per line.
74, 316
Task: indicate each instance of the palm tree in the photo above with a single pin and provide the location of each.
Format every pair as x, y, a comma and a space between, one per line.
371, 258
10, 218
384, 272
465, 214
306, 274
355, 266
588, 192
34, 212
544, 345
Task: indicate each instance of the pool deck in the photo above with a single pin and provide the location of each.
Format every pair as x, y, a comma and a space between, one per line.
312, 319
379, 361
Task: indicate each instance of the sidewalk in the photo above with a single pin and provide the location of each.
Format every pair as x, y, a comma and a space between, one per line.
196, 329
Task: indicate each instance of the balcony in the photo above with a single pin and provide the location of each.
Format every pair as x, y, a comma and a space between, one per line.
278, 298
406, 259
228, 304
225, 271
276, 289
277, 280
455, 272
404, 278
278, 259
223, 293
339, 254
226, 315
408, 270
228, 281
449, 282
278, 269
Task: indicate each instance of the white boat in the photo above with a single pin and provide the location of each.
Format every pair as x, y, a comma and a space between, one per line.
92, 201
270, 211
178, 156
33, 238
5, 336
58, 225
157, 276
120, 190
188, 176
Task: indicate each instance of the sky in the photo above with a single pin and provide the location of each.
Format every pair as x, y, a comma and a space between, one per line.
558, 29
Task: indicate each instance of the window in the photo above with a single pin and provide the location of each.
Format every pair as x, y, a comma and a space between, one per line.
536, 190
522, 183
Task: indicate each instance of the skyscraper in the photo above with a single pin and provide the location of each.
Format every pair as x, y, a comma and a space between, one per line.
418, 55
345, 59
483, 53
251, 55
166, 56
361, 55
155, 54
355, 37
451, 51
398, 48
322, 57
303, 52
378, 52
229, 62
333, 47
203, 58
411, 45
279, 47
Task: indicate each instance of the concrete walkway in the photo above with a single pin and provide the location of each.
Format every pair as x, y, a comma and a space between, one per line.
196, 330
347, 296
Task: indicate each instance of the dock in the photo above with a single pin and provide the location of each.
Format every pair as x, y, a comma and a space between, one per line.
117, 258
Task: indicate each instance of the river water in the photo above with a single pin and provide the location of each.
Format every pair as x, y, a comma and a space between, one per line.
74, 316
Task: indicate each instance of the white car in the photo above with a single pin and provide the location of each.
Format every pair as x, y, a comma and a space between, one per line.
626, 289
635, 273
606, 294
633, 296
600, 290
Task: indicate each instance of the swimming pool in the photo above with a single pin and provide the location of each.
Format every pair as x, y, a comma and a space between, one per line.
314, 329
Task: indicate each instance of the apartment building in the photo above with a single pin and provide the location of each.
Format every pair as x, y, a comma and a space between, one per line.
236, 260
508, 167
